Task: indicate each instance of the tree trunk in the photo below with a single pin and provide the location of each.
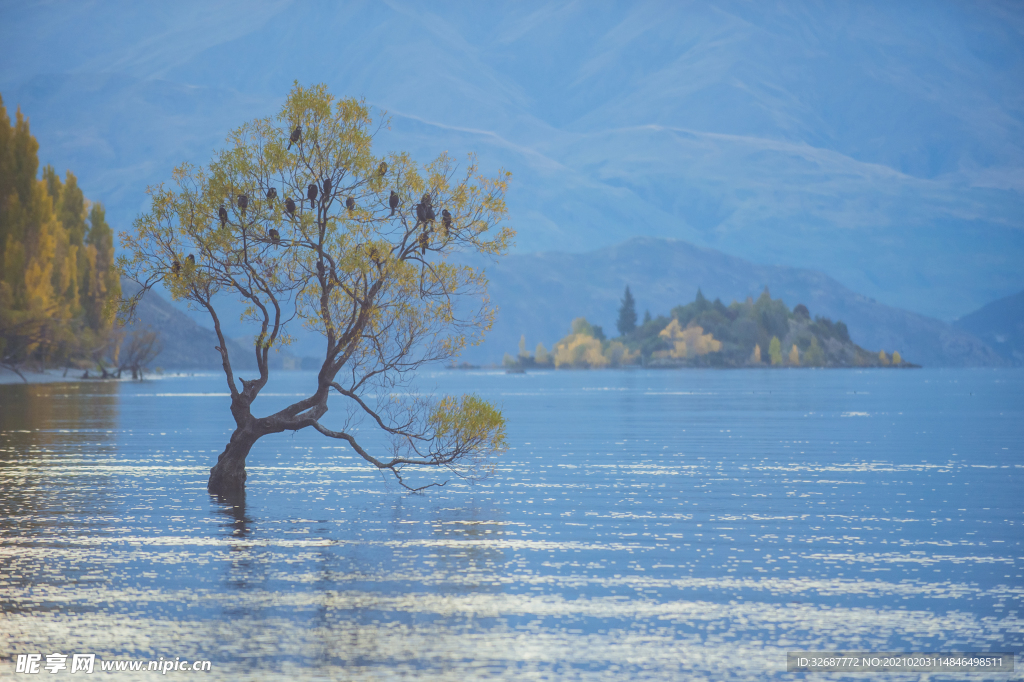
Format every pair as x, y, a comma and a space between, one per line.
227, 477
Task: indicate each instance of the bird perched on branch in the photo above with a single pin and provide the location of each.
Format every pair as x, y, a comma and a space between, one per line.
223, 213
446, 221
430, 213
311, 193
275, 236
296, 136
424, 242
191, 259
421, 214
350, 203
289, 206
382, 168
175, 267
393, 201
243, 201
272, 194
327, 190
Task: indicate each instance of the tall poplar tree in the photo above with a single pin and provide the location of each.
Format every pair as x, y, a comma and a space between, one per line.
57, 281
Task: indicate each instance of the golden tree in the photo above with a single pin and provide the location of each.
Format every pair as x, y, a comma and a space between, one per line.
794, 355
298, 218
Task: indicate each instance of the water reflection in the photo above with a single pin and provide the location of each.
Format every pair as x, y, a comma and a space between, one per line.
55, 443
643, 526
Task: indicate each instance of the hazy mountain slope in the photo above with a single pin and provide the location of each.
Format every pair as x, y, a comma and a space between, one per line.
186, 345
539, 295
879, 142
1000, 324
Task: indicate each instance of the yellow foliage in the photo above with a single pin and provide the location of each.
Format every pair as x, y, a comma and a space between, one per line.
579, 350
755, 357
896, 358
883, 359
794, 355
687, 343
42, 256
470, 424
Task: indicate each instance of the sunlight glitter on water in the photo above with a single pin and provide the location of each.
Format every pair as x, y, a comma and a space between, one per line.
666, 525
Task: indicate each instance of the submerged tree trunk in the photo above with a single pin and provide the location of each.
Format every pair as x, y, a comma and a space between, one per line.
227, 477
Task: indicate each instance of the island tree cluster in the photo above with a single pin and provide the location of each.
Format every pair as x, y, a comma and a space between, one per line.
703, 333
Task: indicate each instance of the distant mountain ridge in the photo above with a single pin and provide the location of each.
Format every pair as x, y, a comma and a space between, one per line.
539, 294
1000, 324
880, 142
185, 344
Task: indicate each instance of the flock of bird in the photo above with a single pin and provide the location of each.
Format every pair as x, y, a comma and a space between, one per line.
424, 210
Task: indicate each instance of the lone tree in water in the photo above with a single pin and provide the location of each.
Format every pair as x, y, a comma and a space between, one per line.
380, 288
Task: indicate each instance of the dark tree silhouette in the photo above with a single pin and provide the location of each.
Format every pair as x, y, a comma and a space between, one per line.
627, 314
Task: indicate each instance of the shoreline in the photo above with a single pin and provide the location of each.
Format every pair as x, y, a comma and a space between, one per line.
56, 376
48, 376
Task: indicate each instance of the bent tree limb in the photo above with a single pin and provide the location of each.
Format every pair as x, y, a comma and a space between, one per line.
305, 235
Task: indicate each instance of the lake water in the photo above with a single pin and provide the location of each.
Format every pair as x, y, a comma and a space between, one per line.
644, 525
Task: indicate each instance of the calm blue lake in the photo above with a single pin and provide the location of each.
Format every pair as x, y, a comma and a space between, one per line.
644, 525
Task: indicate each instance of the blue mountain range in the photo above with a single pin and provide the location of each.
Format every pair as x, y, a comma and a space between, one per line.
877, 142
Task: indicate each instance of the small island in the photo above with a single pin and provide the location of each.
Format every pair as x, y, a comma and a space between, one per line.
761, 333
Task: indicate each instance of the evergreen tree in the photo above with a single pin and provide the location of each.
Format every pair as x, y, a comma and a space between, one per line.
627, 314
700, 303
